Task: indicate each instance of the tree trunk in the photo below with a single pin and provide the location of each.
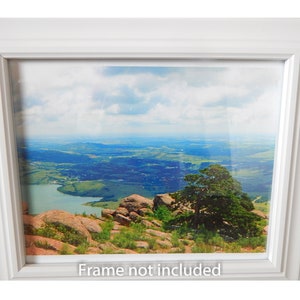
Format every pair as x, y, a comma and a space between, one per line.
197, 214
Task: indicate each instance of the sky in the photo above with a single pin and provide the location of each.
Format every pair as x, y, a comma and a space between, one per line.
94, 99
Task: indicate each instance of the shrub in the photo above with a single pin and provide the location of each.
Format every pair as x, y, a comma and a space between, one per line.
70, 235
163, 214
47, 231
44, 245
62, 233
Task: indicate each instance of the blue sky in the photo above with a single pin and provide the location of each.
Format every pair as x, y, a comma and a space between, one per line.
91, 99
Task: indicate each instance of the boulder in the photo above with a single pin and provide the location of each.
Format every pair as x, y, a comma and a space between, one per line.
142, 244
156, 223
160, 234
147, 223
66, 219
93, 250
90, 224
38, 245
144, 211
123, 220
108, 246
136, 202
164, 244
134, 216
33, 222
107, 213
122, 211
163, 199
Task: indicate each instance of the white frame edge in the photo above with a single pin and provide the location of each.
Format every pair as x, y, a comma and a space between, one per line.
158, 39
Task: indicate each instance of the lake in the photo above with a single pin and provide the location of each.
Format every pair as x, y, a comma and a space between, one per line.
43, 197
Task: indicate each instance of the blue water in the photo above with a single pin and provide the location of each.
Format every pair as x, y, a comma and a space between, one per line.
41, 198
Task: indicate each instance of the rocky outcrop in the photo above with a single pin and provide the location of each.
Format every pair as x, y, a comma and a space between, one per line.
83, 225
107, 213
136, 202
39, 245
157, 233
122, 211
90, 224
163, 199
123, 220
59, 232
64, 218
131, 209
32, 223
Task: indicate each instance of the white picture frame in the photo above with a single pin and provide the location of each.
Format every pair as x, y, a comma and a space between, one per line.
160, 39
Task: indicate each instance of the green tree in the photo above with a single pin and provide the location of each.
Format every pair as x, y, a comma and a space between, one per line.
219, 203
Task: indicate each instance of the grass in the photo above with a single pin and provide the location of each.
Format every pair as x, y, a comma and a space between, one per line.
104, 204
253, 242
111, 191
128, 236
104, 235
90, 188
175, 239
169, 155
262, 206
201, 247
82, 248
40, 173
65, 250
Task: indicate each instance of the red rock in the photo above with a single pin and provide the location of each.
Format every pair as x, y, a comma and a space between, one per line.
160, 234
122, 211
142, 244
134, 216
54, 246
122, 219
135, 202
163, 199
107, 213
33, 221
147, 223
66, 219
90, 224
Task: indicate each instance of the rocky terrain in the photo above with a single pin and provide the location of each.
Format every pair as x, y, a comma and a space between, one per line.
130, 229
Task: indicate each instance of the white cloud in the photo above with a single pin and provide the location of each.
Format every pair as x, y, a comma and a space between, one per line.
78, 98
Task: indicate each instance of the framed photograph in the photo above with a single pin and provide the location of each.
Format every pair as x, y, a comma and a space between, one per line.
149, 149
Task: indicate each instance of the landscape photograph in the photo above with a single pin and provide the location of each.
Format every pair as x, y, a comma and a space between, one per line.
119, 157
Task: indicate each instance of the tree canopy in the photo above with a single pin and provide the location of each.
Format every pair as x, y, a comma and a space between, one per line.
219, 203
